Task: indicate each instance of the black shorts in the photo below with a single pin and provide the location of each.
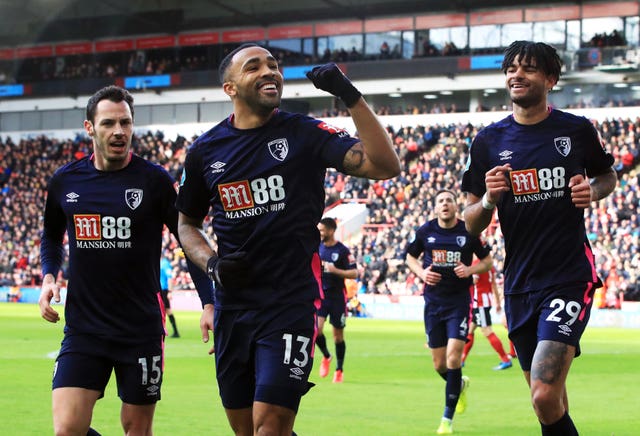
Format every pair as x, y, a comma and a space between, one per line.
445, 322
265, 354
87, 361
559, 315
335, 308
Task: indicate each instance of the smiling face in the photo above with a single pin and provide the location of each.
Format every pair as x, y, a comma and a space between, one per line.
527, 84
111, 130
253, 80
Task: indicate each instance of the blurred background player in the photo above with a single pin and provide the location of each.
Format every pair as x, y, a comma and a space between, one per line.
446, 268
166, 273
485, 289
337, 265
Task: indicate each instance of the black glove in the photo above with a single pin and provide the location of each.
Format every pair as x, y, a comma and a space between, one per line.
328, 77
231, 271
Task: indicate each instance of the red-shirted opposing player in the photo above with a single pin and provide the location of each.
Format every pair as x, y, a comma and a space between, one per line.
485, 289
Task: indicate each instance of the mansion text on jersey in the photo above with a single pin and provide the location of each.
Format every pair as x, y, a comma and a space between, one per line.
254, 211
540, 196
103, 244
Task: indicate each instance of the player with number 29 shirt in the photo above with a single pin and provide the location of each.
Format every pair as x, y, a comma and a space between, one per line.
541, 167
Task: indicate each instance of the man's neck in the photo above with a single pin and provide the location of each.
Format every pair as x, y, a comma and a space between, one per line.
244, 118
531, 115
330, 242
447, 224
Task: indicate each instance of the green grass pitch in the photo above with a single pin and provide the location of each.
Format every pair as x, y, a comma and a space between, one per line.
390, 387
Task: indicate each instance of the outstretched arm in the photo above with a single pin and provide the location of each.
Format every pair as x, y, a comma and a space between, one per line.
373, 157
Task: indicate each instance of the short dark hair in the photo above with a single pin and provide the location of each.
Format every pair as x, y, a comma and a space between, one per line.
112, 93
546, 57
224, 64
329, 223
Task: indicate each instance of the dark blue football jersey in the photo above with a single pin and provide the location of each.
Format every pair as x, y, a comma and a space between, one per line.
265, 187
443, 249
545, 240
339, 255
114, 222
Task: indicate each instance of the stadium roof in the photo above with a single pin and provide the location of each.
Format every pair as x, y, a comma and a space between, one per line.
34, 21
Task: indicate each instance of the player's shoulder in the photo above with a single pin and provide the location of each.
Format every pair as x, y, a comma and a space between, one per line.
308, 125
567, 118
496, 126
72, 167
223, 129
341, 246
461, 226
149, 169
429, 226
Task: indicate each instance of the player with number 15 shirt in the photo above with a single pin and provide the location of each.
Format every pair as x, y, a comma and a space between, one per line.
113, 219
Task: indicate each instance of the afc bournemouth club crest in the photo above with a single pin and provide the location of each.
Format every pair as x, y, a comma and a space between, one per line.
563, 145
279, 148
461, 240
133, 197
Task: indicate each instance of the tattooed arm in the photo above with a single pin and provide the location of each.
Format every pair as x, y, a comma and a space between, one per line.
373, 157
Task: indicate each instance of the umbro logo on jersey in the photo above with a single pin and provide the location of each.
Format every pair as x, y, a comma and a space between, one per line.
152, 390
296, 373
72, 197
217, 167
279, 148
564, 329
431, 239
505, 155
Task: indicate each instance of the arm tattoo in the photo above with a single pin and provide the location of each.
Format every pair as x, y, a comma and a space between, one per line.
354, 159
549, 362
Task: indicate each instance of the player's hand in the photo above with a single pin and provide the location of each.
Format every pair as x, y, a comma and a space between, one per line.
580, 191
231, 271
329, 267
461, 270
206, 324
431, 277
497, 182
50, 290
328, 77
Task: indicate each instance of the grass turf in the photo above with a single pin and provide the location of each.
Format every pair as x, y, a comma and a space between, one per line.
390, 387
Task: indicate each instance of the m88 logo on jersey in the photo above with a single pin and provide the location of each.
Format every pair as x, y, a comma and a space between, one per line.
246, 194
235, 195
533, 181
524, 182
93, 227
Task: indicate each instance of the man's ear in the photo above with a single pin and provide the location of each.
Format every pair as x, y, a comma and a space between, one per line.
88, 126
229, 88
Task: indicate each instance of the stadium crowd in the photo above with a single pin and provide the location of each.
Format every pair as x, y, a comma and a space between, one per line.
433, 158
